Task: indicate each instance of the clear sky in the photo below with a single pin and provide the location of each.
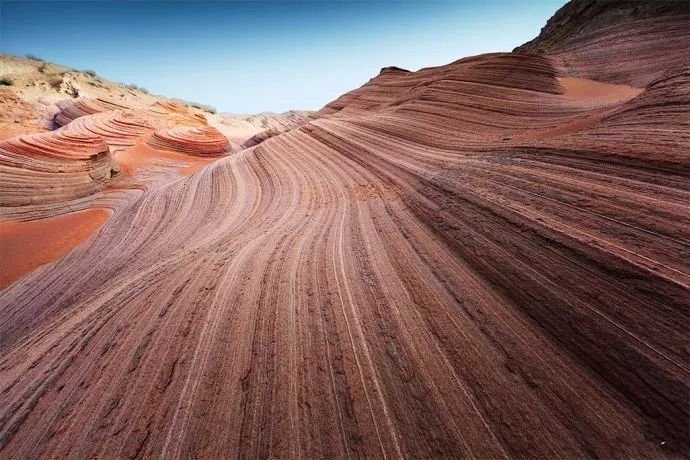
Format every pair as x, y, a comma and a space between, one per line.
247, 57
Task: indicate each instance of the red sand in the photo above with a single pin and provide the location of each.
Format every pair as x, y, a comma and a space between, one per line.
142, 156
25, 246
583, 89
586, 89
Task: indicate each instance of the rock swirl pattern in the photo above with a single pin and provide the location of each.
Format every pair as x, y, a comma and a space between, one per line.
202, 141
119, 128
53, 167
70, 110
474, 260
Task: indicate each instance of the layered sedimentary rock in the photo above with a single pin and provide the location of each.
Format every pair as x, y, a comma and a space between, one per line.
577, 19
53, 167
202, 141
611, 47
486, 259
122, 128
651, 128
70, 110
168, 106
119, 128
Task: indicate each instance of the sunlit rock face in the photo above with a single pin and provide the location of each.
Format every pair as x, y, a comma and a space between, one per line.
53, 167
202, 141
71, 109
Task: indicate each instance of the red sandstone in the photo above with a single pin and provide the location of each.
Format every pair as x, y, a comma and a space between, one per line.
485, 259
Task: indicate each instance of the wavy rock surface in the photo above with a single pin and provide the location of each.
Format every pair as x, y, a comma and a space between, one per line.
167, 106
119, 128
202, 141
473, 260
70, 110
52, 167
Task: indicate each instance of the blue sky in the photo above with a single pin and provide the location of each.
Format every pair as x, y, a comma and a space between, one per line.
247, 57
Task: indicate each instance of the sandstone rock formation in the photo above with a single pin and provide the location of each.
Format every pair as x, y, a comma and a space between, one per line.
70, 110
52, 167
192, 140
56, 95
119, 128
484, 259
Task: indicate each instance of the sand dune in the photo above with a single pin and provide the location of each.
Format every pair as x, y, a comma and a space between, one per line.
484, 259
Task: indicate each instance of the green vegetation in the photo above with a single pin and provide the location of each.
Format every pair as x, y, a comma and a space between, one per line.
6, 81
33, 57
90, 73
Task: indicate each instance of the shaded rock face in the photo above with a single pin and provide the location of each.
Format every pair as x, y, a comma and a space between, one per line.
486, 259
53, 167
579, 18
392, 68
625, 42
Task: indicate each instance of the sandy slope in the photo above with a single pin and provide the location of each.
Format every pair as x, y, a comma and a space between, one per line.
485, 259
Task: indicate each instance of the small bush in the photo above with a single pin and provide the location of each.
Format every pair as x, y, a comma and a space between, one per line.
33, 57
91, 73
134, 87
5, 81
205, 108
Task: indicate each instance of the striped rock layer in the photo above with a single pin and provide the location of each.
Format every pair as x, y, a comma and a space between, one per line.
473, 260
119, 128
168, 106
122, 128
70, 110
53, 167
202, 141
